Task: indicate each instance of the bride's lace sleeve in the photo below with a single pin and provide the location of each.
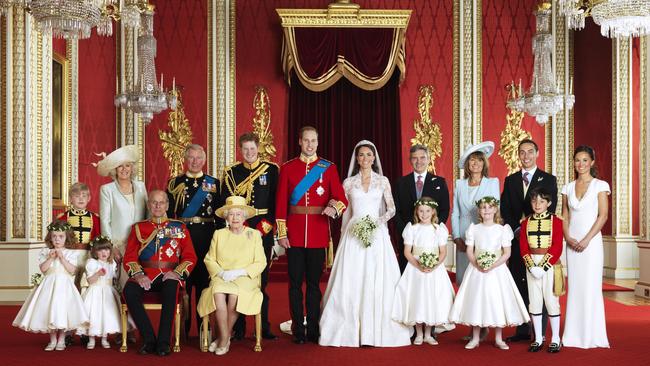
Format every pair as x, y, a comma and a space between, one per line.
388, 201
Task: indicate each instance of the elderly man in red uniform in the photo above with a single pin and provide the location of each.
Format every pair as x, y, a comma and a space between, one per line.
309, 194
159, 255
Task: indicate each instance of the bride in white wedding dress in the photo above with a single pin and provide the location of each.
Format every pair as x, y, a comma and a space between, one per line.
359, 297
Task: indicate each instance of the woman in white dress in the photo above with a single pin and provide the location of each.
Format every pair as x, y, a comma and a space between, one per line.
122, 202
585, 208
359, 297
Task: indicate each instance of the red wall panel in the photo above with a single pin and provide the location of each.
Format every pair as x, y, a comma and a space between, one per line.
508, 28
97, 131
593, 91
636, 132
180, 28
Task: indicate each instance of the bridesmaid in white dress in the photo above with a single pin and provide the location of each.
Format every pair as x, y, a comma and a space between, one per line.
359, 297
585, 208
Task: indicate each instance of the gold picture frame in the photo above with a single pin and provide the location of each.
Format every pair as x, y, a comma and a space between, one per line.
60, 130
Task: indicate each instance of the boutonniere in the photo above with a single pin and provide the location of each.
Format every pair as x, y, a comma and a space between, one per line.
540, 179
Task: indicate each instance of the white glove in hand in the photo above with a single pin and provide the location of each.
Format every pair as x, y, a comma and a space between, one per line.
537, 272
233, 274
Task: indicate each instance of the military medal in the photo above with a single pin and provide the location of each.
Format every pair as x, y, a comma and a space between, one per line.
169, 252
209, 197
263, 180
195, 185
209, 210
320, 190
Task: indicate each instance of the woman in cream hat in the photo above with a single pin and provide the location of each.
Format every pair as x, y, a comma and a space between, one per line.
475, 185
122, 202
235, 262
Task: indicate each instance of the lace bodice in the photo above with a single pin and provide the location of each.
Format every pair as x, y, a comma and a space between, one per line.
377, 202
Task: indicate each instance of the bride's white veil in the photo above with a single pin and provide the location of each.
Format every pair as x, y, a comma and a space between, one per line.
347, 214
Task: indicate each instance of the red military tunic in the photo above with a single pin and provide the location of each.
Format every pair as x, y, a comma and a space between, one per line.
85, 225
304, 224
541, 234
156, 248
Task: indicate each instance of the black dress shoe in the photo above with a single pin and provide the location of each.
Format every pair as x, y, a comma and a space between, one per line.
518, 338
269, 335
312, 339
238, 334
68, 340
535, 347
299, 340
147, 349
554, 347
163, 351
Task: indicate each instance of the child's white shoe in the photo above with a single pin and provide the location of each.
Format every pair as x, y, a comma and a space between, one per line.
501, 345
91, 343
471, 344
213, 346
60, 345
418, 340
105, 343
430, 340
50, 346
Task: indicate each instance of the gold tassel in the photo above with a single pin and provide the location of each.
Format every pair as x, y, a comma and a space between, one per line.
330, 248
559, 282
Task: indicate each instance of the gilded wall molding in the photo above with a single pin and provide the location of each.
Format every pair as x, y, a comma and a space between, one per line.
72, 87
5, 117
467, 76
559, 132
644, 153
348, 17
622, 122
221, 85
18, 134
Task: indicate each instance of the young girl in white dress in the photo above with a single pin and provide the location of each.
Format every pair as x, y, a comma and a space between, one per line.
488, 296
55, 305
101, 300
424, 295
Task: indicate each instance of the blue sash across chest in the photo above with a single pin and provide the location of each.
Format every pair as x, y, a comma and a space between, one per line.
308, 180
195, 204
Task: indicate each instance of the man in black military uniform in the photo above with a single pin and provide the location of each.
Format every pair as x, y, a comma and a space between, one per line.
193, 199
256, 180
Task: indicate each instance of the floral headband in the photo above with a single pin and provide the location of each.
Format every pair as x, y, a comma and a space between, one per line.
60, 226
98, 239
489, 200
431, 203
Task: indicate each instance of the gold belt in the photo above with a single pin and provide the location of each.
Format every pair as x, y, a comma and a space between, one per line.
196, 219
306, 210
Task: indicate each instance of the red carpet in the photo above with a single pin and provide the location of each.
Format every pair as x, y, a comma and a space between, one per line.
628, 328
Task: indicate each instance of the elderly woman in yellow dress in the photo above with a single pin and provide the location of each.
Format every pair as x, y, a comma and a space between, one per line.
235, 262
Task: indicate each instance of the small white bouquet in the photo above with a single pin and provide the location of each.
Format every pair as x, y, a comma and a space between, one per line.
486, 259
36, 279
428, 260
363, 230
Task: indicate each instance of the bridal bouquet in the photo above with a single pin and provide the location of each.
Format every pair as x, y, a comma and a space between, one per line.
363, 230
36, 279
428, 260
486, 259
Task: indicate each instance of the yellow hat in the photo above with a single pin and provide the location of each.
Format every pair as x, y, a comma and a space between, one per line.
235, 202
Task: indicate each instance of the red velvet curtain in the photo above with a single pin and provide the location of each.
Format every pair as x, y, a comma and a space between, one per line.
345, 114
367, 49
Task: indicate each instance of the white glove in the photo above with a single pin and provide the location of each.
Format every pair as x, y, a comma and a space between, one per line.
537, 272
233, 274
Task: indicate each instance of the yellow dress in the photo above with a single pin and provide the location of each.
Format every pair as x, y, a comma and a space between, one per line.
230, 251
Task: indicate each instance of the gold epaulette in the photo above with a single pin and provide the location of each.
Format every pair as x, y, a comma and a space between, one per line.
270, 163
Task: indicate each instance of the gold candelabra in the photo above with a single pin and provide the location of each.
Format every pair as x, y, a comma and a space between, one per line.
427, 133
513, 133
262, 123
177, 139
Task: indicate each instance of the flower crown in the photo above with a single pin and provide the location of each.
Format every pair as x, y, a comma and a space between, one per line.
60, 226
431, 203
489, 200
98, 239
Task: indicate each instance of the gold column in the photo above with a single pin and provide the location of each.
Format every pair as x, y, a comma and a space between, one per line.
130, 126
559, 132
642, 287
467, 75
72, 142
25, 193
621, 255
221, 85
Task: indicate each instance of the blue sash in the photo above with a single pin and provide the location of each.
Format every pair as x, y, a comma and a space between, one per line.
195, 204
150, 249
308, 180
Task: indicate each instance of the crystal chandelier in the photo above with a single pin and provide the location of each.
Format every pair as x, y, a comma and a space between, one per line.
146, 97
544, 98
74, 19
617, 18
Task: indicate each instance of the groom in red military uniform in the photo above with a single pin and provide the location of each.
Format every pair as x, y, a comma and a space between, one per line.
309, 194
